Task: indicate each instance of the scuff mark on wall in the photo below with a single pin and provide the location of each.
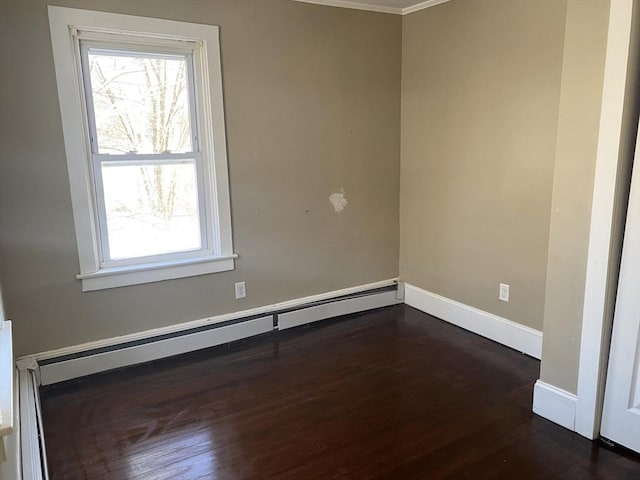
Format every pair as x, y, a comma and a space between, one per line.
338, 200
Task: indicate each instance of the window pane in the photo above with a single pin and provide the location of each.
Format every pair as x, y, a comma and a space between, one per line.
141, 102
151, 209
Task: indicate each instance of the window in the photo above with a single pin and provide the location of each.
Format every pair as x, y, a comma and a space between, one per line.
142, 113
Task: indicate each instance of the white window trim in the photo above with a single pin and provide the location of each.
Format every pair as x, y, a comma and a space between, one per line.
64, 24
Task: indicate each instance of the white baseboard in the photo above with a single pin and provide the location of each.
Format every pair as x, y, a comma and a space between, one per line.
555, 404
493, 327
335, 309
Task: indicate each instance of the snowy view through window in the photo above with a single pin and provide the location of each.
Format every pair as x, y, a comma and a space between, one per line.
143, 122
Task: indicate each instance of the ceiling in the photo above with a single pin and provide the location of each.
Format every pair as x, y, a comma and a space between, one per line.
398, 7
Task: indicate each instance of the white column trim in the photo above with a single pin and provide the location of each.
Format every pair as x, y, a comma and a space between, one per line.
595, 324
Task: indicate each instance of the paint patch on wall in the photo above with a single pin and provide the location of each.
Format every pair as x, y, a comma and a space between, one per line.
338, 200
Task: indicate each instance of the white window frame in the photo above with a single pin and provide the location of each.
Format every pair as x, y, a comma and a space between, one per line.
69, 27
91, 40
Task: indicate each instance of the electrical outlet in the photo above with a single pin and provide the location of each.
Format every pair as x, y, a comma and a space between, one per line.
503, 296
241, 290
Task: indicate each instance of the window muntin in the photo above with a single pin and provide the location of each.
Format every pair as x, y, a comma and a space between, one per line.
147, 167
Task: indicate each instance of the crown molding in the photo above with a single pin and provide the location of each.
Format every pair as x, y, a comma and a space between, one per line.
375, 8
355, 6
422, 6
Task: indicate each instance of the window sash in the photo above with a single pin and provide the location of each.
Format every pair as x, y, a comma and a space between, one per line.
141, 51
142, 40
207, 238
103, 234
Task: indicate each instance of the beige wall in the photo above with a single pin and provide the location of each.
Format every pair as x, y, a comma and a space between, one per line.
480, 93
500, 110
579, 119
312, 104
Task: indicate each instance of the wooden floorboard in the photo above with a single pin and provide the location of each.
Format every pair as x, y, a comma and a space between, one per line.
389, 394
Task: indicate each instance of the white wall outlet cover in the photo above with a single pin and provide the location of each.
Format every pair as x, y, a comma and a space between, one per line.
241, 290
503, 296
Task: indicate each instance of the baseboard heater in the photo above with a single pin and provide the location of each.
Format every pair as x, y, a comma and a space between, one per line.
79, 364
33, 453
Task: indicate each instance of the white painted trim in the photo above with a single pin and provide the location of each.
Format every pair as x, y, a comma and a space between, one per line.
11, 469
335, 309
422, 6
7, 368
84, 179
106, 272
620, 413
36, 400
595, 325
554, 404
142, 353
147, 273
60, 371
27, 360
77, 367
101, 362
493, 327
29, 438
375, 8
2, 315
355, 6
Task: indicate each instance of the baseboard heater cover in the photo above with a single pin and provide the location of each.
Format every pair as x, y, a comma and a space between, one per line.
360, 303
58, 370
32, 446
55, 369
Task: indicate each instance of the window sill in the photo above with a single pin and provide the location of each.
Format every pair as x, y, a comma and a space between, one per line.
155, 272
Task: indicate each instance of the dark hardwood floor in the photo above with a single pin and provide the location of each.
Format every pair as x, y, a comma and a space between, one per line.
391, 394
